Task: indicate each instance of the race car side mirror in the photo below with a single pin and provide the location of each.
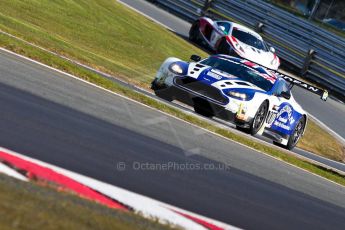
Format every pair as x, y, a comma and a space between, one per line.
324, 95
285, 95
195, 58
272, 49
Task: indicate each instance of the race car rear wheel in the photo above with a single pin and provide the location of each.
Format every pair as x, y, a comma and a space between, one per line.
194, 32
297, 133
259, 118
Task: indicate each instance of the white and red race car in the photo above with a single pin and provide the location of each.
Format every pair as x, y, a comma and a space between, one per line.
230, 38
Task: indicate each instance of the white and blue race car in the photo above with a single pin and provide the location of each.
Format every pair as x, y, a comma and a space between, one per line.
257, 100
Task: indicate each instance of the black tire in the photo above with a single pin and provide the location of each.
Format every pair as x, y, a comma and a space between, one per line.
259, 118
297, 133
194, 32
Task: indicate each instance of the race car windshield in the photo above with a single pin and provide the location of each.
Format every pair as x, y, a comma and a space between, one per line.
248, 39
239, 70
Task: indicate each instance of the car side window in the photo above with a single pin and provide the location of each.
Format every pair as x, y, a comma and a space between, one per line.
281, 87
226, 26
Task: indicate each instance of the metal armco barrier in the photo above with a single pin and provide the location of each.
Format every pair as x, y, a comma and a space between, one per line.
318, 54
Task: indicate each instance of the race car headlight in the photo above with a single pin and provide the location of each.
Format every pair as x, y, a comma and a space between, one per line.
235, 94
176, 68
244, 96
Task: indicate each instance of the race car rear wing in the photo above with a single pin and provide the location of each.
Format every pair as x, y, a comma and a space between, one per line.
293, 81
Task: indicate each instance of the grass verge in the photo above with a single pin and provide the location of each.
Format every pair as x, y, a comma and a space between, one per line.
26, 205
120, 42
314, 140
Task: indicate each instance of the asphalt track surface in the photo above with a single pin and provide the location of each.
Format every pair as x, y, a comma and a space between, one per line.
332, 112
54, 118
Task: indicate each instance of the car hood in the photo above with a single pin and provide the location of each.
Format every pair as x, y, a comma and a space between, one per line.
219, 79
260, 57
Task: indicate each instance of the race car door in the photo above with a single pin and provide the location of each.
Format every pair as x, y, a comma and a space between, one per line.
281, 118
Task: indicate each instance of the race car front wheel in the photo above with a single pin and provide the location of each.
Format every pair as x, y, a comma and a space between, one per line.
297, 133
259, 118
